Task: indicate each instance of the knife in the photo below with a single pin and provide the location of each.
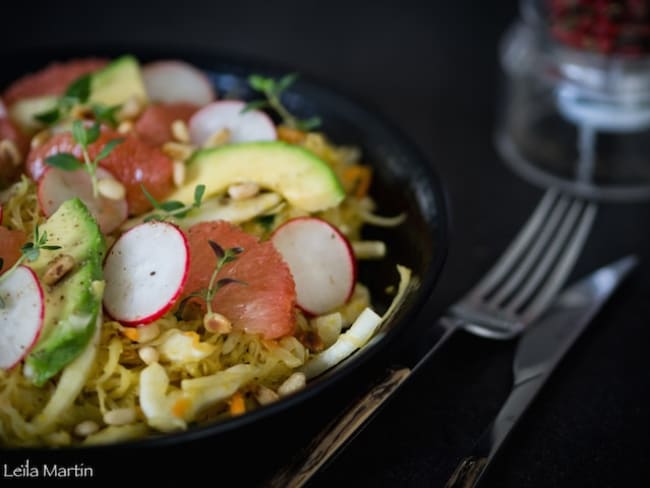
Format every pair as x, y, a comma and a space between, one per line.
540, 349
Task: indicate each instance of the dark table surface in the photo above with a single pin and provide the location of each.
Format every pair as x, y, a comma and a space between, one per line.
432, 68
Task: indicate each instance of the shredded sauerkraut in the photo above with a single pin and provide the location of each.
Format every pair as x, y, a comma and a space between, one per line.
196, 372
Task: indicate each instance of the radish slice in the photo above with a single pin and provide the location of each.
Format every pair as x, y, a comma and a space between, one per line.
56, 186
244, 127
145, 272
177, 81
21, 318
321, 261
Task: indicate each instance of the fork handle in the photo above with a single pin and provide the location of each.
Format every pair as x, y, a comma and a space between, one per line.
341, 431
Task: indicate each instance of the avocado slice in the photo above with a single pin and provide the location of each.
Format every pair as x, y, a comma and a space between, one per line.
304, 180
118, 82
112, 85
72, 304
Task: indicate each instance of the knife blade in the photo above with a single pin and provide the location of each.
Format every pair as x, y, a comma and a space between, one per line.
539, 351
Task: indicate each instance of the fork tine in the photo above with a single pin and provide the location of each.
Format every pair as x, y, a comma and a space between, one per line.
516, 249
536, 252
562, 269
556, 243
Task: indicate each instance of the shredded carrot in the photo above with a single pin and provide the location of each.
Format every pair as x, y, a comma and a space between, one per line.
357, 179
292, 136
237, 405
180, 407
131, 333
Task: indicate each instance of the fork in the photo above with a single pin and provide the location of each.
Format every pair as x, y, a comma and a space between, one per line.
514, 292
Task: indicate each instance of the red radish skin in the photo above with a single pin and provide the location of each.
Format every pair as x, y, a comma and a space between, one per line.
321, 261
174, 81
250, 126
133, 162
145, 272
56, 186
21, 320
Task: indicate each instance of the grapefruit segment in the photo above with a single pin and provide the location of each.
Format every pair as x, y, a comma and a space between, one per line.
154, 125
10, 243
133, 162
54, 79
265, 304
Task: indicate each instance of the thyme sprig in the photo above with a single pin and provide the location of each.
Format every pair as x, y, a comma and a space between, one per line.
78, 94
30, 253
273, 91
173, 208
84, 136
207, 294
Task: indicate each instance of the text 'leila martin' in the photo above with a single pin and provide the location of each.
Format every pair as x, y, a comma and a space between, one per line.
29, 470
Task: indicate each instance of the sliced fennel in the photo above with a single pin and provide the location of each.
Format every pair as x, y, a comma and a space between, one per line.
359, 334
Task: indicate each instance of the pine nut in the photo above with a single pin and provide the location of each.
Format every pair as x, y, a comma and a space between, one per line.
179, 173
111, 189
79, 112
40, 138
243, 191
292, 384
131, 108
86, 428
180, 131
265, 395
125, 127
217, 323
148, 354
147, 333
58, 268
9, 151
120, 416
177, 150
219, 138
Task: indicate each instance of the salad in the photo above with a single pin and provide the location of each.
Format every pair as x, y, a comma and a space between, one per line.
169, 255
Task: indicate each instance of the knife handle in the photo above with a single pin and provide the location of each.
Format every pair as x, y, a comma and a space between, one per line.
467, 473
339, 432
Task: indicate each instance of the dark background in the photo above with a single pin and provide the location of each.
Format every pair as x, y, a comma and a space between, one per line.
432, 68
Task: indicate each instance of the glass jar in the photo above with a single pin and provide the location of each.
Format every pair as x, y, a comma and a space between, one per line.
576, 107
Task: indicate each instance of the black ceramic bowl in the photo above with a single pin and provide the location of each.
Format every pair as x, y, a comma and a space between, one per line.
404, 181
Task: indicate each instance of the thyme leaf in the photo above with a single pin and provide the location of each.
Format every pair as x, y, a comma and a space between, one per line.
273, 91
173, 208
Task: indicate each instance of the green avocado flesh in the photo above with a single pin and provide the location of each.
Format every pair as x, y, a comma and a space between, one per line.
118, 82
112, 85
303, 179
73, 304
